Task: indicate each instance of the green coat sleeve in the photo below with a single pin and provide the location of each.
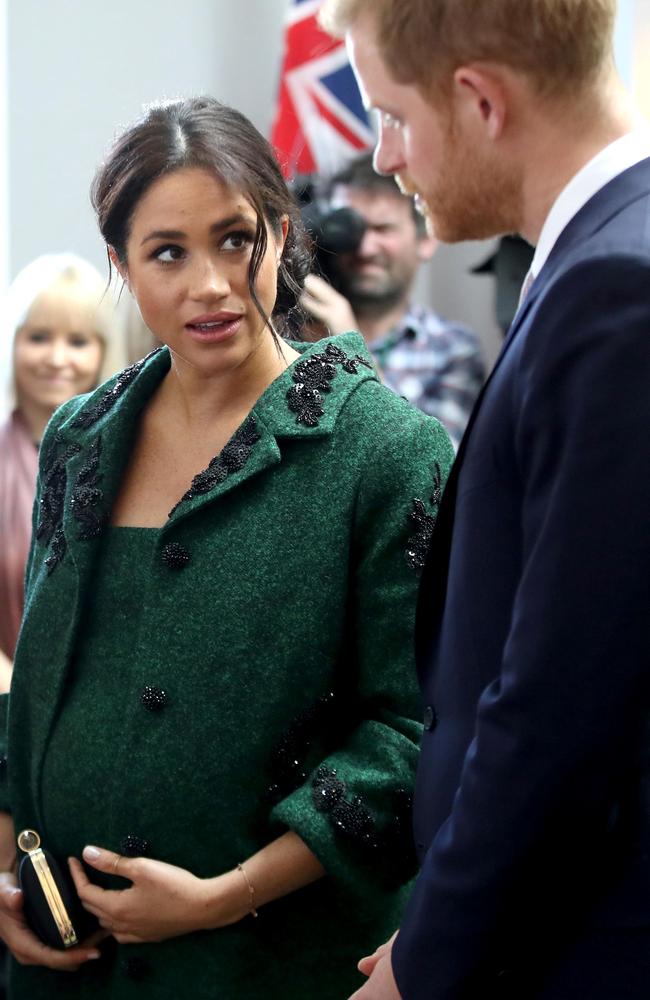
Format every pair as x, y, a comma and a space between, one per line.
354, 809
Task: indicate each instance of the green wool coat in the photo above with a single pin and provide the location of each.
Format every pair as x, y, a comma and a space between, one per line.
270, 683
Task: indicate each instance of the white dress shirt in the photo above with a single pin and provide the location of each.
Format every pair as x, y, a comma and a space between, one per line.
621, 154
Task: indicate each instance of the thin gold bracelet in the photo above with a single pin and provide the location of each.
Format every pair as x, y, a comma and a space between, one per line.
251, 891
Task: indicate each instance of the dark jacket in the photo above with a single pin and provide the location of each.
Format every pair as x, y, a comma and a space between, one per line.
273, 641
532, 807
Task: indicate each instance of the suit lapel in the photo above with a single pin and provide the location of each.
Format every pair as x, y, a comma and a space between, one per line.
629, 186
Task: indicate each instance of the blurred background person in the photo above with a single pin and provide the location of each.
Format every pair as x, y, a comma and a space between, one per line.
58, 342
435, 364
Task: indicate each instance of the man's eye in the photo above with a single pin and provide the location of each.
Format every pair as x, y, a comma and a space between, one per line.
389, 121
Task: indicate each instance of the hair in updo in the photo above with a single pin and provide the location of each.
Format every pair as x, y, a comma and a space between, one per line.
201, 132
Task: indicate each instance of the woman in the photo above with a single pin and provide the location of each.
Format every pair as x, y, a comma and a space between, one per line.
58, 322
229, 544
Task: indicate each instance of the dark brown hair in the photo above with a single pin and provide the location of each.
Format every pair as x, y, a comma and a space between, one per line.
201, 132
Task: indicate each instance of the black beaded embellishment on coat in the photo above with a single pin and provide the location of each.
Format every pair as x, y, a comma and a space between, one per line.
289, 754
175, 555
55, 477
87, 494
392, 847
312, 377
91, 414
134, 847
417, 547
232, 458
153, 698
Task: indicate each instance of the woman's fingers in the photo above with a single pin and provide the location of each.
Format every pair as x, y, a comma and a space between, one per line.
28, 950
11, 897
109, 862
100, 902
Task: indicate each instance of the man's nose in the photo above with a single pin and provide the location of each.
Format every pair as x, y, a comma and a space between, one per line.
369, 246
388, 157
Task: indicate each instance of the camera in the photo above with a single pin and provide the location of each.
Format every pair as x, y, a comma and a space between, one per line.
333, 230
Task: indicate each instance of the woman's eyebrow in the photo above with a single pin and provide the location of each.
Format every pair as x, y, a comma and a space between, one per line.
178, 234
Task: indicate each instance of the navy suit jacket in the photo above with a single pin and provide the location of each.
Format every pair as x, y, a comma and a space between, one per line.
532, 807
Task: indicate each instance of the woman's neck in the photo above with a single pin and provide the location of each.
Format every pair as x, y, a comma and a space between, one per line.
200, 399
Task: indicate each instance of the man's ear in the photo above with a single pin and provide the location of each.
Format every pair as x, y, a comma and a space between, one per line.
119, 265
481, 94
427, 246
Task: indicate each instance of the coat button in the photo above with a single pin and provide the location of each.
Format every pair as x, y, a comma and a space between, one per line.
153, 698
137, 968
430, 718
175, 555
134, 847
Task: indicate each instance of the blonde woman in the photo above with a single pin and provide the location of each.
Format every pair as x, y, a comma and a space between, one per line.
59, 341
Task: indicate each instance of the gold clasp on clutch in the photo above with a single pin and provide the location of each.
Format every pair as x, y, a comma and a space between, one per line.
30, 843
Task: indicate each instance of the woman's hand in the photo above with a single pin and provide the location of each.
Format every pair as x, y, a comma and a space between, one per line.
163, 901
23, 943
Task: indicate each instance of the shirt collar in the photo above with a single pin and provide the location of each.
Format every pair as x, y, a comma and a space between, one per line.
611, 161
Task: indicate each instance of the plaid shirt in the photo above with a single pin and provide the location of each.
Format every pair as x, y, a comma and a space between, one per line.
436, 365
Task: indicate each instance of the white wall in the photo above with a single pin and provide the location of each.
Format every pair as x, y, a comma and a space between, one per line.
78, 69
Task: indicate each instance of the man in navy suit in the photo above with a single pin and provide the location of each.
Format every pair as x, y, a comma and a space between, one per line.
532, 807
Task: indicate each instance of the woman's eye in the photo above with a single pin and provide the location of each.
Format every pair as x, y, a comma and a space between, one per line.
237, 241
78, 340
38, 336
169, 254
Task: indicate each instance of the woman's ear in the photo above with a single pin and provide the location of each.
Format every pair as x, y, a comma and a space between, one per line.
119, 265
282, 237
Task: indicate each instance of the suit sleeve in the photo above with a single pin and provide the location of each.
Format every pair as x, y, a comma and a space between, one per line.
354, 809
561, 723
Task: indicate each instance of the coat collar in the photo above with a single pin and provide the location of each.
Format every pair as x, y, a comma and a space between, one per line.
93, 443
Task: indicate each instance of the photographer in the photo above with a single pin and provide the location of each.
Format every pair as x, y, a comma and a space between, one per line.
436, 365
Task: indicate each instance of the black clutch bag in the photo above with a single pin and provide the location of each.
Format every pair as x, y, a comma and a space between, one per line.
51, 905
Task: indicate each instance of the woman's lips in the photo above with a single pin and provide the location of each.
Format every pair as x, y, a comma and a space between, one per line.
211, 331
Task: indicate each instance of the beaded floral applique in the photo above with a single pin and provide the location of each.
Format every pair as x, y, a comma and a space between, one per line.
91, 414
392, 846
289, 754
418, 544
231, 458
84, 498
55, 476
312, 377
86, 495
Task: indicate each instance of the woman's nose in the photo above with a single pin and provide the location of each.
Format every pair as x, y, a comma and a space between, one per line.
208, 280
58, 352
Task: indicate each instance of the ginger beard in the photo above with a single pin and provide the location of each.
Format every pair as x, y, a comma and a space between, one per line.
466, 193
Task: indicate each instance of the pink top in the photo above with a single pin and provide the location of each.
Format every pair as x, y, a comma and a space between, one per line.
18, 469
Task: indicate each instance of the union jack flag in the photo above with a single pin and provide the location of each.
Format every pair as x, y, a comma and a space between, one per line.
320, 120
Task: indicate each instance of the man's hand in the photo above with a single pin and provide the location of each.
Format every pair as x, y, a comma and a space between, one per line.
327, 305
381, 983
